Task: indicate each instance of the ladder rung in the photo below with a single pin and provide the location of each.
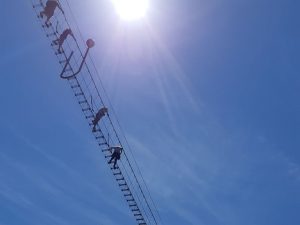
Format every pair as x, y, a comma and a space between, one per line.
132, 205
117, 179
127, 194
75, 86
47, 25
135, 210
71, 78
105, 150
35, 5
103, 143
51, 34
137, 214
130, 200
82, 102
139, 219
125, 184
78, 94
98, 137
114, 168
86, 109
59, 53
125, 189
96, 130
88, 117
62, 61
117, 173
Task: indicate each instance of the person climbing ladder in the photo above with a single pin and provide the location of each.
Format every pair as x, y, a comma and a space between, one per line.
62, 38
49, 10
116, 155
98, 116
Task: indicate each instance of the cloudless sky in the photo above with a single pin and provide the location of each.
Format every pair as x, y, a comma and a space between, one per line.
207, 93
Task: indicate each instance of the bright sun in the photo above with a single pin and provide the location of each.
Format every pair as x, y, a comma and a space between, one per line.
131, 9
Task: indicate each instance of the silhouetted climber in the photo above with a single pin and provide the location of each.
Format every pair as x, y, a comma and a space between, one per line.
116, 154
98, 116
62, 38
50, 8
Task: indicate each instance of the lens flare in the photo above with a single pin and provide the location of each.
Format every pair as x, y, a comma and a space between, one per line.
131, 9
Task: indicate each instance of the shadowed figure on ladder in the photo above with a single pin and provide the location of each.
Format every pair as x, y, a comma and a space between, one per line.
116, 155
50, 8
98, 117
62, 38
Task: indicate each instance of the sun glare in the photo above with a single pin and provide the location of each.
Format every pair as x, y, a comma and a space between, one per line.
131, 9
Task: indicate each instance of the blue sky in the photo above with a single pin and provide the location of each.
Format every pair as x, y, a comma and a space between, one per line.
207, 93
